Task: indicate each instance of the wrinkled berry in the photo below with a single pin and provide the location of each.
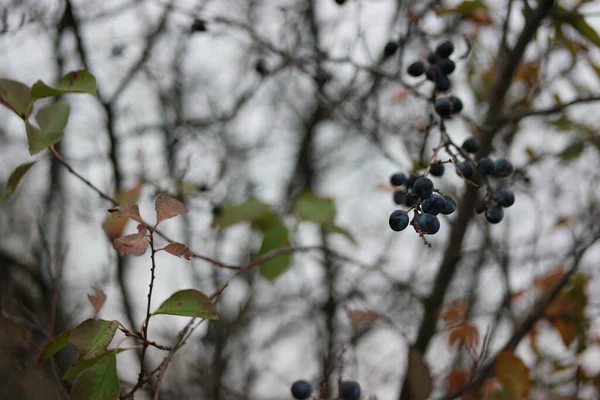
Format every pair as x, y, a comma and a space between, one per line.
494, 214
349, 390
429, 223
471, 145
486, 166
398, 179
447, 66
437, 169
504, 168
423, 188
416, 69
301, 390
457, 104
434, 204
505, 197
444, 49
443, 106
450, 205
399, 197
398, 220
466, 169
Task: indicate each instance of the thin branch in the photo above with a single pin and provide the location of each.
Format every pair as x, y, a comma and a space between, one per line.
519, 115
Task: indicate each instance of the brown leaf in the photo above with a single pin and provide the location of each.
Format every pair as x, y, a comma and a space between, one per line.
454, 312
465, 332
566, 328
127, 211
548, 280
179, 250
135, 244
97, 300
419, 380
513, 374
456, 379
114, 226
362, 320
168, 207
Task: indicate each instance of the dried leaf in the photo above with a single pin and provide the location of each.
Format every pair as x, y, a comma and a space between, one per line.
566, 328
548, 280
465, 332
456, 379
97, 299
454, 312
513, 374
127, 211
135, 244
114, 226
179, 250
168, 207
419, 380
362, 320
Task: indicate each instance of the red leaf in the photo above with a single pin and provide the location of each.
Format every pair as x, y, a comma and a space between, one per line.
179, 250
126, 211
454, 312
168, 207
97, 300
465, 332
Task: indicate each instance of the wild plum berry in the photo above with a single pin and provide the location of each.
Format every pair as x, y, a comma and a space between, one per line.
443, 106
442, 82
466, 169
434, 204
505, 197
494, 214
437, 169
398, 220
423, 188
444, 49
432, 58
301, 390
486, 166
340, 2
349, 390
504, 168
471, 145
457, 104
429, 223
450, 205
416, 69
398, 179
390, 48
447, 66
399, 197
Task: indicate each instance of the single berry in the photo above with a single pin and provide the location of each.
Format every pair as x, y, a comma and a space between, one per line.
429, 223
434, 204
199, 25
390, 48
444, 49
411, 199
349, 390
494, 214
486, 166
450, 205
504, 168
466, 169
432, 58
423, 188
443, 106
471, 145
398, 179
442, 83
399, 197
437, 169
340, 2
261, 68
457, 104
430, 73
416, 69
505, 197
399, 220
301, 390
447, 66
480, 206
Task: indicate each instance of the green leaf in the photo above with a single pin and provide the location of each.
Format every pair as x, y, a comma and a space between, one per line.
83, 365
580, 25
188, 303
466, 7
100, 382
248, 211
80, 81
572, 151
275, 238
310, 207
53, 118
39, 139
93, 336
54, 346
331, 228
15, 95
14, 179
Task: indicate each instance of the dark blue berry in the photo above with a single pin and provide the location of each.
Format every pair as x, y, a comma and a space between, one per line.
429, 223
442, 83
450, 205
443, 106
457, 104
471, 145
399, 220
390, 48
340, 2
423, 188
466, 169
437, 169
486, 166
432, 58
349, 390
504, 168
444, 49
399, 197
261, 68
416, 69
434, 204
494, 214
398, 179
411, 200
199, 25
505, 197
446, 66
301, 390
411, 181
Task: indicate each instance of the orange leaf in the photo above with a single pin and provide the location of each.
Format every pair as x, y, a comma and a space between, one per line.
179, 250
456, 379
566, 328
97, 300
419, 380
168, 207
465, 332
560, 306
513, 374
490, 387
454, 312
361, 320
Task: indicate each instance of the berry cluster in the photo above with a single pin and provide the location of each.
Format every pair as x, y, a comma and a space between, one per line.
347, 390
